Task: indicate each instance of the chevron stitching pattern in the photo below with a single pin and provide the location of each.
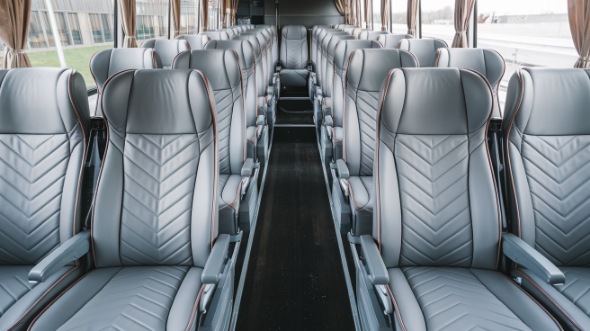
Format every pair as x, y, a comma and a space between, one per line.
134, 299
159, 183
454, 299
14, 284
432, 172
32, 174
558, 173
224, 102
295, 58
366, 105
577, 287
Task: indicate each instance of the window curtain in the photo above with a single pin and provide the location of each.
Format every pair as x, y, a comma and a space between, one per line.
128, 10
412, 16
176, 16
369, 14
358, 13
353, 10
579, 17
15, 16
340, 6
385, 14
463, 10
204, 15
234, 11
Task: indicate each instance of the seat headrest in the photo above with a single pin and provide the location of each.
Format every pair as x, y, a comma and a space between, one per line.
155, 102
371, 35
195, 41
220, 66
487, 62
328, 38
435, 101
42, 101
243, 48
293, 32
423, 49
392, 40
108, 62
549, 102
167, 49
253, 41
334, 42
368, 68
344, 50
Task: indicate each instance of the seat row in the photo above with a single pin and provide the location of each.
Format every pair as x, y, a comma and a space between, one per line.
442, 254
153, 255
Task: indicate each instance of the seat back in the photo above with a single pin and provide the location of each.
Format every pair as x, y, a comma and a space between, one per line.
328, 75
436, 199
365, 77
324, 53
216, 35
342, 54
195, 41
547, 139
423, 49
246, 56
260, 64
392, 40
156, 201
222, 69
167, 49
487, 62
371, 35
315, 30
108, 62
294, 54
357, 32
44, 126
349, 29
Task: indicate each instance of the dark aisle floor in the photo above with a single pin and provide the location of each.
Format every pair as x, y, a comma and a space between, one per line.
295, 112
295, 279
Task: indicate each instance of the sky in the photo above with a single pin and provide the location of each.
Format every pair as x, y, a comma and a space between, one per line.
501, 7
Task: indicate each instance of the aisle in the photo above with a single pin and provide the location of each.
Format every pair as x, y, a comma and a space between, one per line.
295, 279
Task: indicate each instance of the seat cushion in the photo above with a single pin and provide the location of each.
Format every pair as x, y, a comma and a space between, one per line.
20, 300
430, 298
569, 302
127, 298
294, 77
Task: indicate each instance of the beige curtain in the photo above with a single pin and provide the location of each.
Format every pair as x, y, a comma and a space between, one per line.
15, 16
385, 14
128, 10
369, 14
176, 16
579, 17
352, 14
463, 10
204, 15
234, 11
412, 16
359, 14
339, 6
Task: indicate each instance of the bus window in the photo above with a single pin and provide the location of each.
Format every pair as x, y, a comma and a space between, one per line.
152, 19
438, 19
84, 27
189, 12
399, 10
526, 33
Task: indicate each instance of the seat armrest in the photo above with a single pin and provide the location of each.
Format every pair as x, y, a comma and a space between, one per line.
327, 106
312, 76
216, 261
328, 121
71, 250
377, 270
522, 253
342, 169
279, 67
260, 120
247, 172
319, 94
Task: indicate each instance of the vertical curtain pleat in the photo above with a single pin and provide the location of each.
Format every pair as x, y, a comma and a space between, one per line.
369, 14
15, 16
234, 11
412, 16
359, 14
463, 10
204, 15
579, 18
176, 16
385, 14
339, 6
128, 10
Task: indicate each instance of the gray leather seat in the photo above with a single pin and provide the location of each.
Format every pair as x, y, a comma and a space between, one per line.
255, 132
392, 40
372, 35
435, 248
294, 56
365, 76
154, 229
487, 62
108, 62
216, 35
222, 69
334, 108
357, 32
423, 49
195, 41
167, 49
547, 134
44, 126
350, 29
